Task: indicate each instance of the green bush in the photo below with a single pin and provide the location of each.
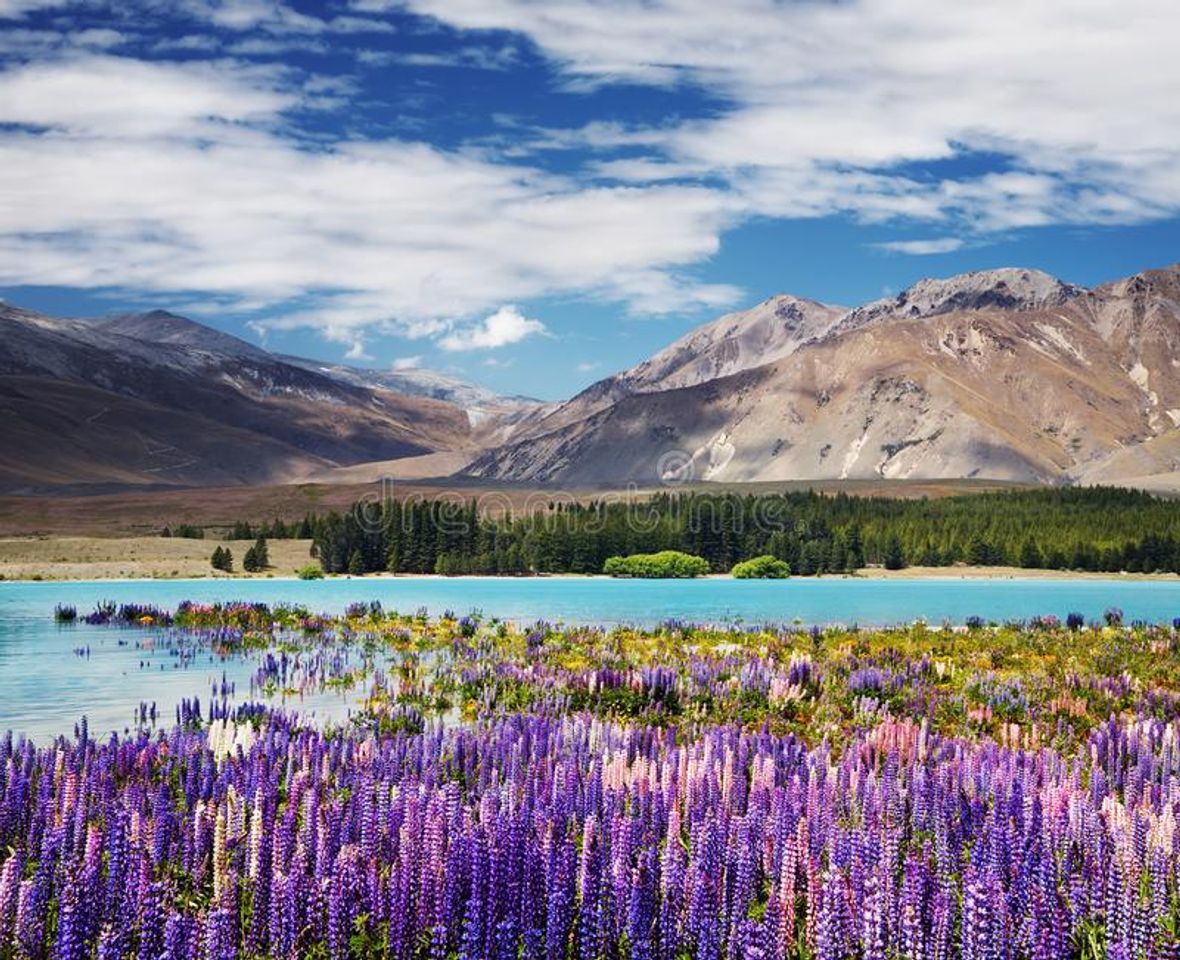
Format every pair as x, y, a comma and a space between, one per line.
312, 571
663, 565
765, 567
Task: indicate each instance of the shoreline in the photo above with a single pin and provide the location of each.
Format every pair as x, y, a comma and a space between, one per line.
130, 559
1004, 573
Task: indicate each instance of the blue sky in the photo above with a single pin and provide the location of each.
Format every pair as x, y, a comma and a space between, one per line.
535, 194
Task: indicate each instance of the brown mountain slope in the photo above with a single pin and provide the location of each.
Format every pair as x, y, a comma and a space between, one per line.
72, 436
774, 329
735, 342
82, 404
1006, 375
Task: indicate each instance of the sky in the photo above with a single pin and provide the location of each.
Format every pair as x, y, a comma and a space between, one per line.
532, 194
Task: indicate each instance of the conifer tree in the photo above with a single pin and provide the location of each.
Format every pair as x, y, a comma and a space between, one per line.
257, 558
1030, 555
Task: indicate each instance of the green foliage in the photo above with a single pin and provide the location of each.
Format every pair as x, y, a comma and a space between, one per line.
1055, 682
275, 529
313, 571
765, 567
1089, 940
894, 557
65, 613
1030, 555
257, 557
222, 559
1093, 528
667, 564
356, 563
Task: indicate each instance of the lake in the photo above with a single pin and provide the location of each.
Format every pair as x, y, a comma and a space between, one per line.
50, 675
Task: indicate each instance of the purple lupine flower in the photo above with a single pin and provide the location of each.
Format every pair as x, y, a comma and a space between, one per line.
873, 920
71, 931
548, 834
176, 937
151, 923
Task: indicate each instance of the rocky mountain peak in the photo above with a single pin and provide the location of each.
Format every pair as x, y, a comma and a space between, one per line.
165, 327
796, 311
1163, 283
1007, 289
767, 332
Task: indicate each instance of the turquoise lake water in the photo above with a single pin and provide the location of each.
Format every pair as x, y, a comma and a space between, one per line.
45, 685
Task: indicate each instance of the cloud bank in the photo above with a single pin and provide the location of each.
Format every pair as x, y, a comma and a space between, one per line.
166, 177
198, 175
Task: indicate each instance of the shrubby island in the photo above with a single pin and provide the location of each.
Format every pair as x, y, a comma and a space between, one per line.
665, 565
765, 567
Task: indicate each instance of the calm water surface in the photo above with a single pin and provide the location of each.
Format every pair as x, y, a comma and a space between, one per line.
45, 685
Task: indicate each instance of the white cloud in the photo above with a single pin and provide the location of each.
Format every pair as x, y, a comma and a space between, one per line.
250, 14
826, 100
472, 57
359, 25
115, 99
406, 363
356, 351
15, 9
268, 16
586, 366
506, 326
189, 43
190, 178
272, 46
923, 247
182, 179
22, 43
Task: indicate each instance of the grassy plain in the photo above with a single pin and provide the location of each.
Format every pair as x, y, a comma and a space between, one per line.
145, 512
118, 558
121, 558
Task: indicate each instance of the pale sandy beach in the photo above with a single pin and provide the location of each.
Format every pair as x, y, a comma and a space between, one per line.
965, 572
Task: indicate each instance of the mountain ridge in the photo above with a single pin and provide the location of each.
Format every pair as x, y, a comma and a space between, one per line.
1007, 374
177, 403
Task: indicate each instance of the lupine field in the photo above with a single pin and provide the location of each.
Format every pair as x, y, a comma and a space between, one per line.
989, 792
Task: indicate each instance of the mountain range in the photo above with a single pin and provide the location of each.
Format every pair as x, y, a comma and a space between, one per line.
1003, 374
152, 399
